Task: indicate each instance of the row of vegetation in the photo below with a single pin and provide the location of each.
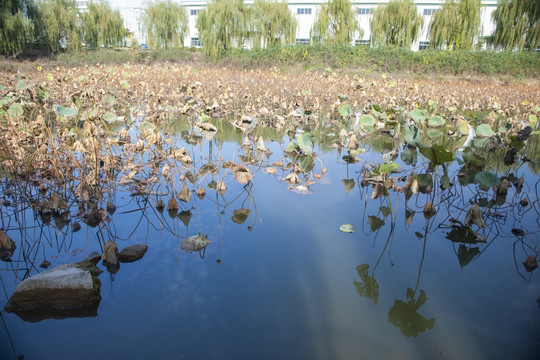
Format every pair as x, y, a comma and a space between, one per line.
58, 24
342, 58
141, 129
226, 24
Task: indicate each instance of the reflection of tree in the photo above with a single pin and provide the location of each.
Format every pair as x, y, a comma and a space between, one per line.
405, 314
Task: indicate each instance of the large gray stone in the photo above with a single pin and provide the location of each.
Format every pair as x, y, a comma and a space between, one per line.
63, 287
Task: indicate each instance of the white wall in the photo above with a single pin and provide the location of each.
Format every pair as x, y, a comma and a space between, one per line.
131, 9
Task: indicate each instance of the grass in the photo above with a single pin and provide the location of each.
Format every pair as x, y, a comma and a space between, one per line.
366, 59
395, 59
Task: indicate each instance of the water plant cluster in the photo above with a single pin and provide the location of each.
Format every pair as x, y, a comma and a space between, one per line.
72, 138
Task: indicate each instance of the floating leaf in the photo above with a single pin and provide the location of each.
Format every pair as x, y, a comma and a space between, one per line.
484, 130
347, 228
194, 243
436, 121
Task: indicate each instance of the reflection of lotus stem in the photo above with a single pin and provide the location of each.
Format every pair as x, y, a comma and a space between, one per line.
422, 260
390, 236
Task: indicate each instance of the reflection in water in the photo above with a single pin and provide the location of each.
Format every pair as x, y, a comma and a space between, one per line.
405, 314
368, 287
47, 221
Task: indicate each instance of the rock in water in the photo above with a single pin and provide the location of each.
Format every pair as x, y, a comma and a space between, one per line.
7, 246
110, 253
55, 293
132, 253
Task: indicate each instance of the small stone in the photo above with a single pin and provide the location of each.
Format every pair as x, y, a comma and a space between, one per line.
132, 253
45, 264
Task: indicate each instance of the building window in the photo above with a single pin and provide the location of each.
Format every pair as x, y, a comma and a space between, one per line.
303, 11
302, 41
195, 42
362, 42
423, 45
194, 12
429, 12
364, 11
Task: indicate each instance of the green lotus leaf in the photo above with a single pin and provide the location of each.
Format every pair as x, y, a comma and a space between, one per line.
418, 115
484, 130
436, 121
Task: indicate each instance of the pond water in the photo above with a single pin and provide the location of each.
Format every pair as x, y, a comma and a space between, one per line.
279, 278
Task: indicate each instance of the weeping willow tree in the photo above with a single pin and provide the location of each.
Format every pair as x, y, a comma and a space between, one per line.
336, 23
517, 25
165, 24
60, 24
222, 25
396, 23
102, 26
272, 23
456, 25
16, 25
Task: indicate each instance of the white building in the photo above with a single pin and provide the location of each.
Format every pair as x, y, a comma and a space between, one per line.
305, 12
